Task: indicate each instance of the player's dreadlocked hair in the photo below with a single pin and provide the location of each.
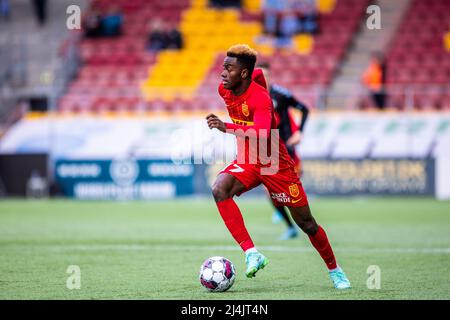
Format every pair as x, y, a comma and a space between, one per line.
245, 55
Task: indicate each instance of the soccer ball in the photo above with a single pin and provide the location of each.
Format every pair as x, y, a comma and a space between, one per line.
217, 274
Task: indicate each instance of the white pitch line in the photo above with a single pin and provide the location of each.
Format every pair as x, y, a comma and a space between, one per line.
168, 247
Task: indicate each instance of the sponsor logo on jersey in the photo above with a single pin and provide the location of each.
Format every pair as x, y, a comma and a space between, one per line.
242, 122
245, 110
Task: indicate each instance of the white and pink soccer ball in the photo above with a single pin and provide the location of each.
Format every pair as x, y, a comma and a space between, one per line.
217, 274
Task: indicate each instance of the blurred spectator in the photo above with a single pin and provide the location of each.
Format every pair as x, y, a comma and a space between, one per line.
5, 9
163, 37
225, 3
288, 25
93, 23
175, 38
271, 12
40, 8
307, 15
157, 38
97, 24
112, 22
374, 80
286, 18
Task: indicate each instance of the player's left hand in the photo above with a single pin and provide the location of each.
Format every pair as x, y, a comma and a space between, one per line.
215, 122
295, 139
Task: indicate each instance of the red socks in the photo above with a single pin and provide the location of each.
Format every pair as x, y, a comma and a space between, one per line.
232, 217
320, 242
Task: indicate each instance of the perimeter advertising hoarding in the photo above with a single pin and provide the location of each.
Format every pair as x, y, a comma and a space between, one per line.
163, 179
369, 176
124, 179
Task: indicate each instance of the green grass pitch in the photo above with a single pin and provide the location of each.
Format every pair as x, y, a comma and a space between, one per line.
153, 250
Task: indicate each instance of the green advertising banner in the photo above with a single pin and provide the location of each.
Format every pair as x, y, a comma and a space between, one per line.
124, 179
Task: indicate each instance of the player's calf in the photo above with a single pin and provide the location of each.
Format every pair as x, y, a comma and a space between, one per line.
303, 218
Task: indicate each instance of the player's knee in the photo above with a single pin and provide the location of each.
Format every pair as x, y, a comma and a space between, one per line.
309, 227
220, 192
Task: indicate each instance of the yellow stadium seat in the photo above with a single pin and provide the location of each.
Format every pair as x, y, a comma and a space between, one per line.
252, 5
206, 33
229, 15
304, 43
193, 15
447, 41
199, 3
325, 6
264, 49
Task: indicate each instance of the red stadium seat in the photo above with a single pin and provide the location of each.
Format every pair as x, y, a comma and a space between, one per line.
417, 55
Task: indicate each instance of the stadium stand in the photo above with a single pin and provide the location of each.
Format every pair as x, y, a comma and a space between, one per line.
119, 74
417, 60
30, 71
307, 73
113, 67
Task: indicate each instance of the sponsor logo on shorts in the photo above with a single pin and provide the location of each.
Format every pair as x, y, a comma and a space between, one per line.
236, 169
281, 197
293, 190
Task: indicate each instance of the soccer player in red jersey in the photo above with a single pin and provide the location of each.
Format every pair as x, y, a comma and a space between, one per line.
250, 108
290, 132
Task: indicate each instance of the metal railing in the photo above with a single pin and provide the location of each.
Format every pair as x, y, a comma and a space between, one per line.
13, 76
68, 64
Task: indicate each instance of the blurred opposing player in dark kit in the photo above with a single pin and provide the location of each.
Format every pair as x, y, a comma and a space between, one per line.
250, 108
290, 133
